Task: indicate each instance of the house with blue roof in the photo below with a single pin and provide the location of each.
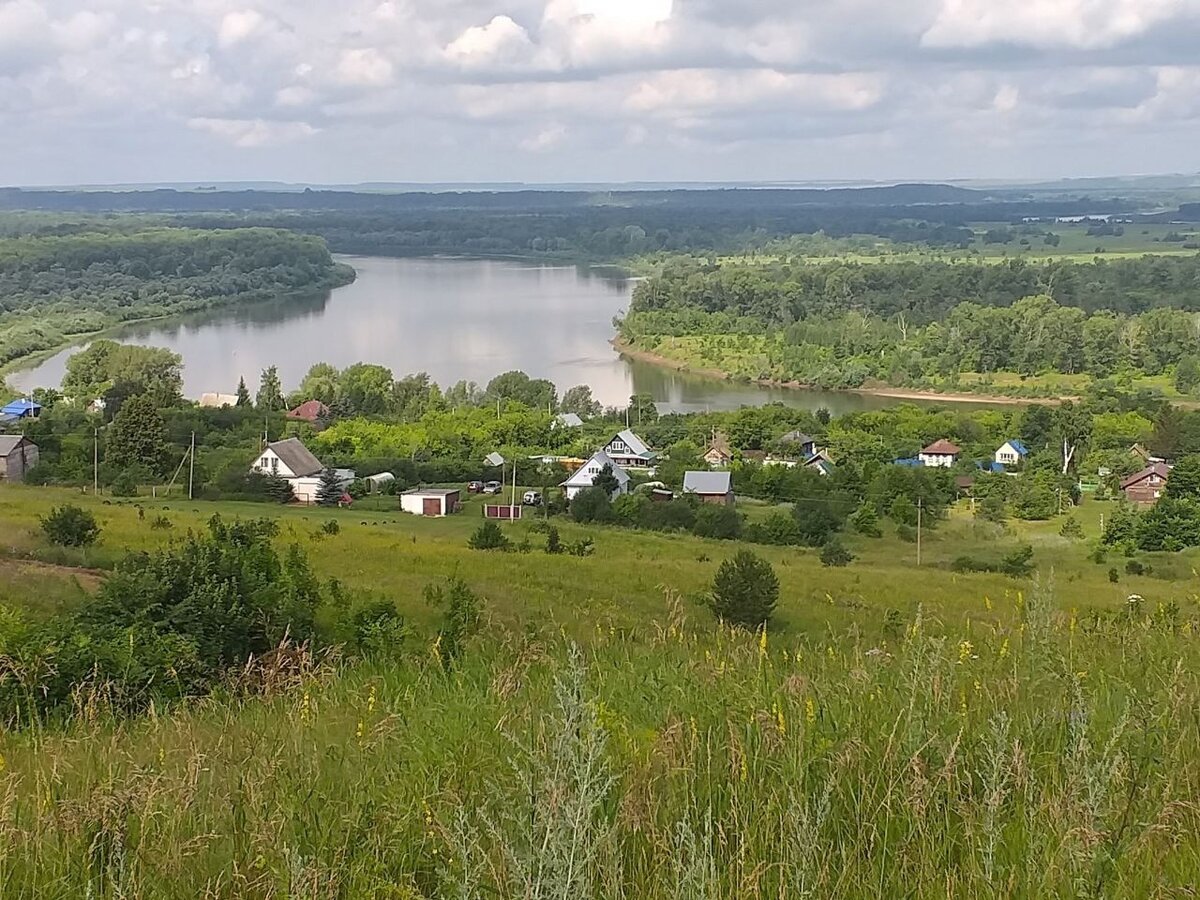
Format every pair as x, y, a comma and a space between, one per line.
20, 409
1011, 453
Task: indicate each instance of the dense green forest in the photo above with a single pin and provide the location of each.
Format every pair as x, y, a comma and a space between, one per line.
840, 324
70, 280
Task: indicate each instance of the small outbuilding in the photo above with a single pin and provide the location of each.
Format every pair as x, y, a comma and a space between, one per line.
567, 420
310, 411
377, 484
434, 502
18, 455
710, 487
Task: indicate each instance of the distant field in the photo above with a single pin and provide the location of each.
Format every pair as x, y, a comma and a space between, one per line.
396, 555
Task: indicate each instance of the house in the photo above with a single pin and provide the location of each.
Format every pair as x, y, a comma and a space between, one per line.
20, 409
292, 461
18, 455
1011, 453
630, 451
1146, 486
719, 454
567, 420
964, 484
216, 401
819, 463
710, 487
940, 455
436, 502
585, 476
1144, 455
310, 411
806, 444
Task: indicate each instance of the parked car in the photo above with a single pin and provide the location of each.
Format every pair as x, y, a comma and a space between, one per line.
474, 487
493, 487
531, 498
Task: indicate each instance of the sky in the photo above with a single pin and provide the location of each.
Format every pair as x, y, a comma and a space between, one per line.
111, 91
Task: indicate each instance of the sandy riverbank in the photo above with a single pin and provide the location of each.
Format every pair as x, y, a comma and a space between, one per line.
893, 393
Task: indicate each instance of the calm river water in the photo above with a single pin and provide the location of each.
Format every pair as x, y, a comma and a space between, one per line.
453, 318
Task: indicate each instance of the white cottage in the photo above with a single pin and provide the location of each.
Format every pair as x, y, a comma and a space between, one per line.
630, 451
940, 455
292, 461
585, 476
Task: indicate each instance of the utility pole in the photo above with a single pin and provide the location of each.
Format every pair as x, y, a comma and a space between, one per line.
191, 465
920, 510
95, 460
512, 507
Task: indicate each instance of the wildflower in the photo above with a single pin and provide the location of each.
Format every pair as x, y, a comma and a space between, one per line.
780, 722
3, 764
875, 651
987, 602
1081, 675
1074, 621
1004, 648
810, 711
306, 708
744, 772
371, 697
762, 642
964, 651
361, 731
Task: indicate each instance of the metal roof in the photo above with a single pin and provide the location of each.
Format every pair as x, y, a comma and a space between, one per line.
635, 444
20, 407
9, 443
943, 447
707, 482
582, 478
569, 420
431, 492
297, 457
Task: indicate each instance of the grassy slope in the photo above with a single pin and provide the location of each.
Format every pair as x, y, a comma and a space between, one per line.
1021, 751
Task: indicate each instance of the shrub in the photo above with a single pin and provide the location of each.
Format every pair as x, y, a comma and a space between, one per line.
488, 536
865, 521
460, 617
1071, 529
592, 505
1019, 562
553, 543
971, 564
378, 629
745, 590
70, 526
161, 523
1133, 567
721, 522
331, 527
124, 485
834, 553
991, 509
778, 528
906, 533
582, 547
1114, 576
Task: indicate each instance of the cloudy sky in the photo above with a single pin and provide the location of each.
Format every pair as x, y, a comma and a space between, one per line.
96, 91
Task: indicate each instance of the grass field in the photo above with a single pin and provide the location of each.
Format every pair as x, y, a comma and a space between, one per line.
898, 732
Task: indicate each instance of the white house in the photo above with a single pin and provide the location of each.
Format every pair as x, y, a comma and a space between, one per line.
1011, 453
435, 502
214, 400
630, 451
940, 455
585, 476
291, 460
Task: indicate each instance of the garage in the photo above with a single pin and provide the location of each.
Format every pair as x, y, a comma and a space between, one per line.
435, 502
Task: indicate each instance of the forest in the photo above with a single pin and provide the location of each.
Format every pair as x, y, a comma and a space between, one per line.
841, 324
55, 286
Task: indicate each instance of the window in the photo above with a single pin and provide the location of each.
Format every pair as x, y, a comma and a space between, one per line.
274, 465
594, 470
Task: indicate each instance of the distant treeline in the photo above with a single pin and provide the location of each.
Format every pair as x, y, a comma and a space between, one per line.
56, 286
607, 225
841, 324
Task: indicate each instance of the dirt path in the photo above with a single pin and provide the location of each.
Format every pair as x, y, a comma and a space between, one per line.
89, 579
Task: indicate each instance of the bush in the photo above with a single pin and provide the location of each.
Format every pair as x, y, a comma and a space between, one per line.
124, 485
488, 536
553, 543
461, 613
971, 564
378, 629
906, 533
721, 522
865, 521
161, 523
582, 547
779, 529
70, 526
745, 590
1019, 562
1071, 529
1114, 576
1133, 567
991, 509
331, 527
592, 505
834, 553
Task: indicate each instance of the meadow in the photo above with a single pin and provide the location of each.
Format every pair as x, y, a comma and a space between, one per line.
896, 731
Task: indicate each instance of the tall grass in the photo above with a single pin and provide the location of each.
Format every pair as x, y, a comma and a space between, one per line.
1052, 756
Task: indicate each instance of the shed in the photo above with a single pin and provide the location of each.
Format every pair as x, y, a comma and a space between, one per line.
435, 502
377, 483
710, 487
18, 455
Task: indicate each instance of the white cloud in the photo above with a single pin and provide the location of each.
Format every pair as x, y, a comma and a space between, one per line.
238, 26
253, 132
364, 67
500, 40
546, 139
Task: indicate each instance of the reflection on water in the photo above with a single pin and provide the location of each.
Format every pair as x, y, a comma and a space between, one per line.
453, 318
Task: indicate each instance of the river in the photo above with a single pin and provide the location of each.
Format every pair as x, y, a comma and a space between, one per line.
453, 318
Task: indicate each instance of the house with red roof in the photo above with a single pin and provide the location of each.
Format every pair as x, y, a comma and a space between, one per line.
309, 412
940, 455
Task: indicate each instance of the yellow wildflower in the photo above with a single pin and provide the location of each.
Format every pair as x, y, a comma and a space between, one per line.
1004, 648
987, 602
745, 773
810, 711
361, 731
371, 697
1074, 621
762, 642
965, 649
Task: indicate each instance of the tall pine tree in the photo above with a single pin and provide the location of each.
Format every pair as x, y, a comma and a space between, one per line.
329, 491
243, 393
270, 392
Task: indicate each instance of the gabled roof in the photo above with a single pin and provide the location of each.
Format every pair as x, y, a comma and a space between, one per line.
1162, 470
20, 407
943, 448
707, 482
582, 478
297, 457
9, 443
568, 420
635, 444
1019, 447
309, 411
493, 459
798, 437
